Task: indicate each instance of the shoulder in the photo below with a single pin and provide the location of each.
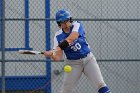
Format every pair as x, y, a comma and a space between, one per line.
76, 23
77, 26
58, 32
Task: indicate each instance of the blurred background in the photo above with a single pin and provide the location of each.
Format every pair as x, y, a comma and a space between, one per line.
112, 30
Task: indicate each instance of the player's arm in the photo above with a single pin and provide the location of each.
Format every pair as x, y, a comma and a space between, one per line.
59, 47
75, 33
72, 37
64, 44
55, 55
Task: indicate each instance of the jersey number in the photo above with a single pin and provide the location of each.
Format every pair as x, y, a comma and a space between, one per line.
76, 47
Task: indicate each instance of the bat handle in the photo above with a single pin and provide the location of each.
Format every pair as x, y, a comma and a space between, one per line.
53, 52
42, 53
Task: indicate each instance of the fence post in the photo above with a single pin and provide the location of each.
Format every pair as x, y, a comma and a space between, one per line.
3, 45
26, 23
48, 44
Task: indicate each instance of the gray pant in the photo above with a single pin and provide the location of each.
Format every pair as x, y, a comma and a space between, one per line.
88, 66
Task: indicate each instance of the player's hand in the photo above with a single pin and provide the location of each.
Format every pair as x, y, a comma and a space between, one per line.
48, 53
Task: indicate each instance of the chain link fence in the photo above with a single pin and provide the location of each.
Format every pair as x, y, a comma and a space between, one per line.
112, 30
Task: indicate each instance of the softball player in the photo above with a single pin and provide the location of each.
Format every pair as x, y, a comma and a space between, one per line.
71, 39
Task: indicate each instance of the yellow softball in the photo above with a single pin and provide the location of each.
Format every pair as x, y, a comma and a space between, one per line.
67, 68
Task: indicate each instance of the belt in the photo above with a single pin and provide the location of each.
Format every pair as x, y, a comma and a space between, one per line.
80, 57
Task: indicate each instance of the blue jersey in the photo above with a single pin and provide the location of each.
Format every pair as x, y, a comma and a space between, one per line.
79, 48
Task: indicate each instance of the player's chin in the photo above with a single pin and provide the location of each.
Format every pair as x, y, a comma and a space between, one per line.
63, 27
68, 27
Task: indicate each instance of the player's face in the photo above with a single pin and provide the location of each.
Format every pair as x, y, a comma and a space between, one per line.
65, 24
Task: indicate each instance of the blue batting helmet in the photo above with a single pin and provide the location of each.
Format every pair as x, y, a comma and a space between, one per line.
62, 15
